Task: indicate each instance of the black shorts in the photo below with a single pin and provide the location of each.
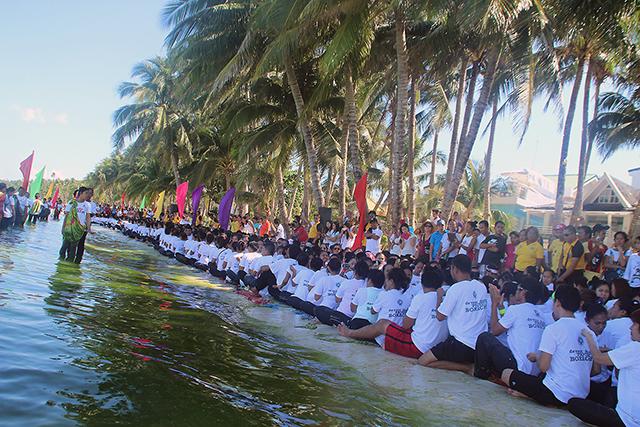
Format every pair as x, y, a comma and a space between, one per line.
533, 387
453, 350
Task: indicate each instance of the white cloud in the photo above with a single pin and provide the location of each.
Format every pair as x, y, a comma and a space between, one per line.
39, 116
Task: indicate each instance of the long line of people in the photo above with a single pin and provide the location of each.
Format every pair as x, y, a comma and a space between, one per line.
558, 339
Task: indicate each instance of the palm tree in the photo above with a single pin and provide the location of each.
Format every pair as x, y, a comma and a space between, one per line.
156, 119
617, 127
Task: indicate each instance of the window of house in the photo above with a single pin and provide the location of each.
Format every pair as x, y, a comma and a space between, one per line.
608, 196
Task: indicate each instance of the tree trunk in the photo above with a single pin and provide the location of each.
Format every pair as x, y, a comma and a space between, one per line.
244, 206
487, 162
471, 91
295, 190
596, 106
453, 146
411, 187
434, 158
306, 199
353, 143
576, 212
453, 184
400, 131
380, 200
566, 137
344, 147
331, 184
307, 136
282, 208
174, 165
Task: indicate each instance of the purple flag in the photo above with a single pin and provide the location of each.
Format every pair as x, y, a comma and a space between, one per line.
224, 210
196, 195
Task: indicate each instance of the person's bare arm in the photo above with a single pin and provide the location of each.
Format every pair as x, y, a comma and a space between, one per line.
408, 322
544, 361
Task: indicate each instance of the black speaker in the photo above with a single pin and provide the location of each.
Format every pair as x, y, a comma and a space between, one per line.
325, 215
173, 209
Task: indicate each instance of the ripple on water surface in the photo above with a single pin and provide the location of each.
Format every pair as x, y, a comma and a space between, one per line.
118, 340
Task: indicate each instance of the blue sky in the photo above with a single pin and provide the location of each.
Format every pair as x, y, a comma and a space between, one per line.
63, 60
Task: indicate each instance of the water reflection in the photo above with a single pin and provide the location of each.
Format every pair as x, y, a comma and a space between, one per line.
158, 353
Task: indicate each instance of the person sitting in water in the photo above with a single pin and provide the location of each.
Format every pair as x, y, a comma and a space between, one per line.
564, 356
390, 306
281, 269
465, 309
260, 276
343, 298
627, 360
364, 299
420, 330
325, 290
523, 323
302, 278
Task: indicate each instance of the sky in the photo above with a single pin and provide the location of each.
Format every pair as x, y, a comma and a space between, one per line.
63, 61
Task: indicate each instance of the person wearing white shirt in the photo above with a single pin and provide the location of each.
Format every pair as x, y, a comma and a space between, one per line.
390, 306
343, 297
420, 330
627, 360
632, 270
619, 321
523, 322
324, 292
465, 308
303, 279
282, 271
373, 236
261, 277
564, 356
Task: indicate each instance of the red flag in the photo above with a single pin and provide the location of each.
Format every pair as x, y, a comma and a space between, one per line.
25, 168
181, 196
122, 201
55, 197
360, 196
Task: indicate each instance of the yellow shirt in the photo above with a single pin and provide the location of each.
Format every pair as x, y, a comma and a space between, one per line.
313, 231
574, 250
555, 253
235, 226
527, 255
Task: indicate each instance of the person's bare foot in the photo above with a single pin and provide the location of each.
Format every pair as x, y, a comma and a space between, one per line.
515, 393
343, 330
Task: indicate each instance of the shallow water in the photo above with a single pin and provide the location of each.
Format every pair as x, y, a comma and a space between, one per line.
131, 338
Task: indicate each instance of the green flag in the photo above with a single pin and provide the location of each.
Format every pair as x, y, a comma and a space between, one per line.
144, 202
36, 184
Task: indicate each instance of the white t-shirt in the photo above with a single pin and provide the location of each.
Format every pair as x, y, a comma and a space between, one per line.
570, 370
465, 241
373, 245
83, 209
222, 258
313, 282
627, 359
178, 246
364, 299
615, 254
347, 290
260, 262
391, 305
247, 259
280, 232
525, 324
326, 288
445, 243
280, 269
618, 330
428, 331
301, 280
466, 308
9, 202
480, 252
632, 271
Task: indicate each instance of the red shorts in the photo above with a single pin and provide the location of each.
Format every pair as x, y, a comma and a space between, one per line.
398, 340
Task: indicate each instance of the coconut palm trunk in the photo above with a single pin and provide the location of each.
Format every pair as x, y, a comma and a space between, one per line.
400, 130
306, 199
307, 136
411, 187
174, 164
566, 137
295, 190
434, 158
282, 208
353, 142
487, 162
342, 188
453, 145
596, 105
453, 184
471, 91
584, 146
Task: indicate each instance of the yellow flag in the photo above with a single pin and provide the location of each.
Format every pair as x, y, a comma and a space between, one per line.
159, 205
49, 191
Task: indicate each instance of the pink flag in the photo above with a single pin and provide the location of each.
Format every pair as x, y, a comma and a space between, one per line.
55, 197
25, 168
360, 195
181, 196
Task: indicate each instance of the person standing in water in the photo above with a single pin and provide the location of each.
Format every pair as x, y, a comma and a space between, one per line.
75, 224
91, 210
